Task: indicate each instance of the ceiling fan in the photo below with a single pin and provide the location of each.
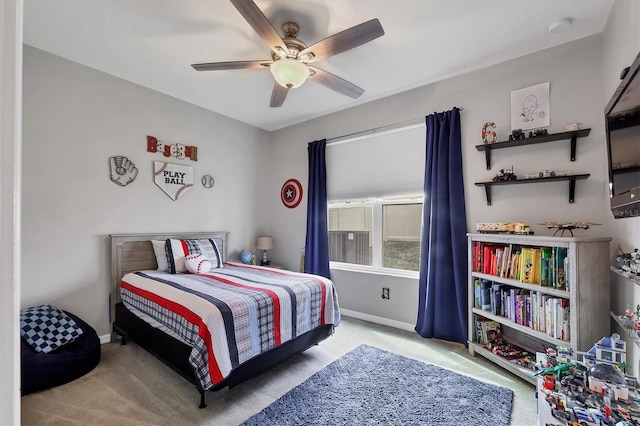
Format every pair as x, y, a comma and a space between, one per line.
290, 57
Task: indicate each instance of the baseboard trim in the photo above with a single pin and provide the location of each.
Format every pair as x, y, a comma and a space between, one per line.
379, 320
105, 338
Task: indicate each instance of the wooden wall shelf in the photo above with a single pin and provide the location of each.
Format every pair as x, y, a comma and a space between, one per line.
571, 178
573, 135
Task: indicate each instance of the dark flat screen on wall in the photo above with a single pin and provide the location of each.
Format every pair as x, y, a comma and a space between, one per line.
622, 116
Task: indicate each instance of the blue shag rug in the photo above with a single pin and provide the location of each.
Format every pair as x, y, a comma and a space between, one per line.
370, 386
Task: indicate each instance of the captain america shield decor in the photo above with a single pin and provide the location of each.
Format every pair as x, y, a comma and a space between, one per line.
291, 193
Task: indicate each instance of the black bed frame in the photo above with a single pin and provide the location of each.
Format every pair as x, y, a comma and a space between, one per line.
175, 353
170, 350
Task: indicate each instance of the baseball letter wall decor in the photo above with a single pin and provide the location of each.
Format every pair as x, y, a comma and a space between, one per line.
176, 150
173, 179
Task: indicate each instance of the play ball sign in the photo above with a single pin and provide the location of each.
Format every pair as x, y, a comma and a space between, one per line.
291, 193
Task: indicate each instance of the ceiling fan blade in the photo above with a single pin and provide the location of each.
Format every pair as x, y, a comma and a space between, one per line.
235, 65
278, 96
260, 24
336, 83
344, 40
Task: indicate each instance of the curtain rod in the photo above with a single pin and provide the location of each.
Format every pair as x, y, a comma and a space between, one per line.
389, 127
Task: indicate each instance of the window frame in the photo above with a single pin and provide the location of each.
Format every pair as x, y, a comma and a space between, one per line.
376, 205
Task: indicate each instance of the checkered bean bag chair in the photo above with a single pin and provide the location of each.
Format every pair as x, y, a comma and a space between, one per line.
57, 348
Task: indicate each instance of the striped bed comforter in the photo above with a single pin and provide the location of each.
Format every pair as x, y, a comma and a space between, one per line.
231, 314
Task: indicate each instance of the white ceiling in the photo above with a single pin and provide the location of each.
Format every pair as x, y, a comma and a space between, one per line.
154, 42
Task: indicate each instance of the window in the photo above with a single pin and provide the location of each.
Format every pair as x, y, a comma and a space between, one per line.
376, 234
401, 235
378, 228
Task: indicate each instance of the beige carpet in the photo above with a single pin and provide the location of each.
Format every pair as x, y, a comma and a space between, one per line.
131, 387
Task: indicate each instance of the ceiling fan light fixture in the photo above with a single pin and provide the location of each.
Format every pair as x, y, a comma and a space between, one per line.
289, 73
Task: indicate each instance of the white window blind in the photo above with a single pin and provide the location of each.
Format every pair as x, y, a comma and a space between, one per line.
377, 165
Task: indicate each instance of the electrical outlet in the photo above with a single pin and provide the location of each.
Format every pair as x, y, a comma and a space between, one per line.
385, 292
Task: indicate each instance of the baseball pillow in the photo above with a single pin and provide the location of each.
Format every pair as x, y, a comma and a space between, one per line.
176, 251
197, 263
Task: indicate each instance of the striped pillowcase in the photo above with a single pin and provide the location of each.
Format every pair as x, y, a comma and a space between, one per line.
176, 251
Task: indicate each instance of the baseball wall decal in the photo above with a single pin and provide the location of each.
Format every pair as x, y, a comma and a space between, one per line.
122, 171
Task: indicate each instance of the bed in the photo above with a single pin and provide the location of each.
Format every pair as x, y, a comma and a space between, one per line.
218, 328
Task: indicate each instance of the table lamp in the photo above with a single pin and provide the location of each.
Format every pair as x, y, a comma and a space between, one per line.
264, 244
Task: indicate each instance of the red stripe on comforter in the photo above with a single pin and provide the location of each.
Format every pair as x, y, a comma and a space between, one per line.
187, 314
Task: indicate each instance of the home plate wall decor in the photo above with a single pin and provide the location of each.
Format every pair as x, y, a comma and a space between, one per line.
173, 179
175, 150
122, 171
291, 193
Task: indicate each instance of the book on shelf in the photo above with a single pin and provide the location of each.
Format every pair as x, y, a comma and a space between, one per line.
538, 303
526, 265
491, 332
557, 314
505, 260
476, 293
567, 272
562, 317
487, 331
514, 272
476, 256
560, 262
485, 294
535, 265
545, 267
496, 260
496, 302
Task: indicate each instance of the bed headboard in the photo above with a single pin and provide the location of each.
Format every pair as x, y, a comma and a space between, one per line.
134, 252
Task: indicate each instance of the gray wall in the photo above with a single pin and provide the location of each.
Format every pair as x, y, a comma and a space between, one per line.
75, 118
575, 74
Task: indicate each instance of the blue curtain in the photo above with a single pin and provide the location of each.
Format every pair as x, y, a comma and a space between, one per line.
442, 304
316, 258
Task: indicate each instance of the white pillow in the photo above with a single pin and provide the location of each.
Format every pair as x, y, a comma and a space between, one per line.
161, 255
197, 263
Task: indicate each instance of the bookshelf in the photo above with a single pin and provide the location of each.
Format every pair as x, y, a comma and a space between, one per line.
587, 294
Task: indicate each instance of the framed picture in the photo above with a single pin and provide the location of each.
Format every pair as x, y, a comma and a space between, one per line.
530, 107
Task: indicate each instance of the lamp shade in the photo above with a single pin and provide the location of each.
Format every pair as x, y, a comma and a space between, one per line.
264, 243
289, 73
